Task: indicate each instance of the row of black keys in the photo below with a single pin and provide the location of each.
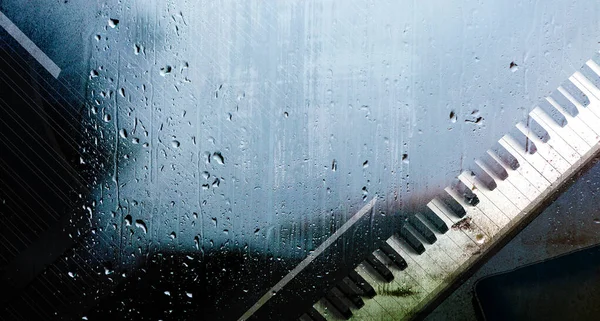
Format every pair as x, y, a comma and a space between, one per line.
352, 288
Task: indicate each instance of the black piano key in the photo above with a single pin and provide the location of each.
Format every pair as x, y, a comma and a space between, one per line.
339, 305
434, 220
352, 295
393, 255
361, 283
422, 229
452, 205
484, 178
315, 315
579, 96
380, 268
505, 156
412, 241
494, 166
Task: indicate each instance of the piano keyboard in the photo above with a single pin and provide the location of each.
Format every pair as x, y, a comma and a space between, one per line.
509, 184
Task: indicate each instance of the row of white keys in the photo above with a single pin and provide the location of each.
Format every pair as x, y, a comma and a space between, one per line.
403, 282
535, 160
529, 170
498, 206
377, 307
528, 186
436, 253
577, 124
587, 115
455, 244
469, 239
488, 223
556, 151
506, 187
566, 132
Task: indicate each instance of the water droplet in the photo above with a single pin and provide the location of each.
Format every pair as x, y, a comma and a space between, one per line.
167, 293
173, 235
122, 92
597, 220
452, 117
123, 133
107, 118
128, 220
206, 175
334, 165
405, 158
113, 22
175, 143
513, 66
286, 115
189, 294
218, 158
136, 49
366, 164
165, 70
98, 37
71, 274
141, 225
214, 220
197, 242
94, 73
135, 140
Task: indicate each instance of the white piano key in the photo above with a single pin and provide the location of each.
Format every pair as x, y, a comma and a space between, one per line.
593, 66
587, 115
548, 150
577, 124
506, 187
488, 223
324, 308
566, 133
540, 165
526, 185
497, 205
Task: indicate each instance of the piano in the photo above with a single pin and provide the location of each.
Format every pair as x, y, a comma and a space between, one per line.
441, 242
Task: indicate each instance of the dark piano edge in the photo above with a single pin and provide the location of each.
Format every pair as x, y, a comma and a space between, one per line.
460, 278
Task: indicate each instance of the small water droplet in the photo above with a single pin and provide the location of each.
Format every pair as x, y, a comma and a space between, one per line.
123, 133
136, 49
286, 115
214, 220
452, 117
165, 70
597, 220
334, 165
366, 164
94, 73
113, 23
71, 274
197, 242
189, 294
175, 143
107, 118
173, 235
513, 66
206, 175
128, 220
167, 293
405, 158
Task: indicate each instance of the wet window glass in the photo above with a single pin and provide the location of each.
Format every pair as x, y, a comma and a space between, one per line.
297, 160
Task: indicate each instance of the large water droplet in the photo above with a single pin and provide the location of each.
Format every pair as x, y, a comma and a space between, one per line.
218, 158
113, 23
141, 225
